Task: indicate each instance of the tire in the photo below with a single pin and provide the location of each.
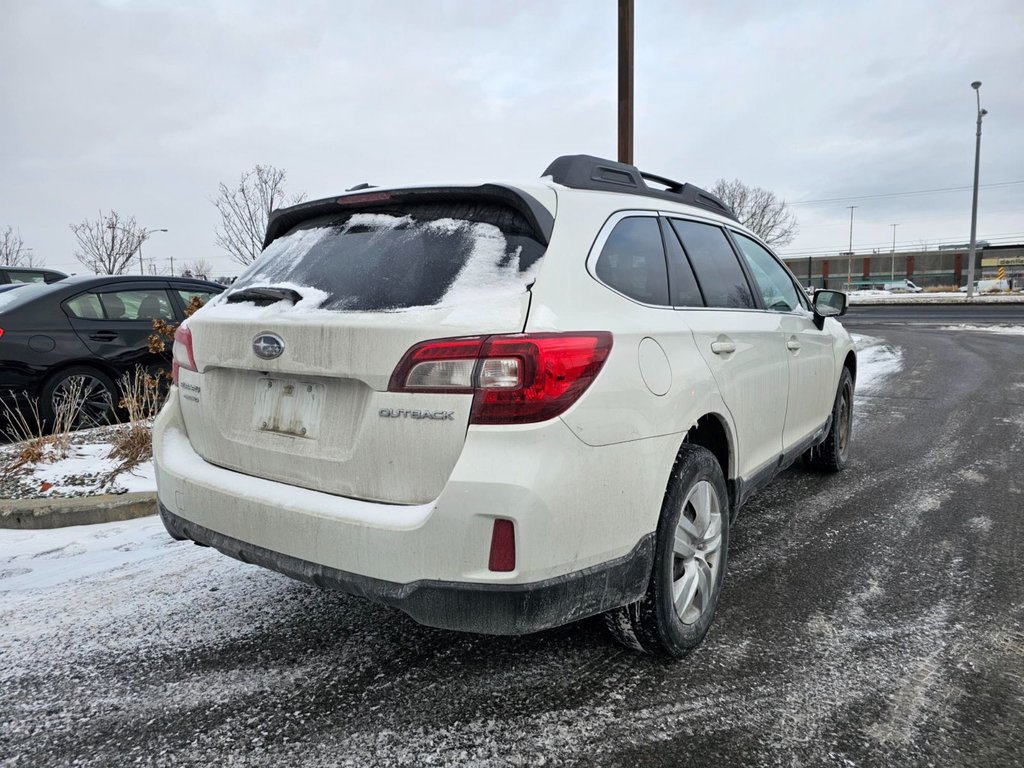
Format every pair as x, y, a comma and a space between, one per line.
691, 570
833, 454
98, 399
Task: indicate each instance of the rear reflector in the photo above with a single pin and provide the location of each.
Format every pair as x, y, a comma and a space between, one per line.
503, 547
181, 354
514, 379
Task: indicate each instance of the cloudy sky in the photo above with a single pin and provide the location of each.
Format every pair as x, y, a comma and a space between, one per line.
146, 106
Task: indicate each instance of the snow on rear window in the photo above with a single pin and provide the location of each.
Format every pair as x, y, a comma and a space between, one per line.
421, 256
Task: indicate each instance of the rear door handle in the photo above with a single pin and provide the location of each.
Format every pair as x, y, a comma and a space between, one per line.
722, 347
103, 336
793, 345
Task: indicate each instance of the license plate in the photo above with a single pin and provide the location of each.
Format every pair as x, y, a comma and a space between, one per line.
288, 407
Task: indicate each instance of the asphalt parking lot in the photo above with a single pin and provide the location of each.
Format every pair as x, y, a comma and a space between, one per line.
875, 617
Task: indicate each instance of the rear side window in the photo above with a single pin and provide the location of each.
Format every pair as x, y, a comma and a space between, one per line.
187, 296
632, 261
685, 291
719, 273
85, 307
413, 256
136, 305
26, 277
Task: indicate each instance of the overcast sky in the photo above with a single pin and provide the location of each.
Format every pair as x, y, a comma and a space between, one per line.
145, 106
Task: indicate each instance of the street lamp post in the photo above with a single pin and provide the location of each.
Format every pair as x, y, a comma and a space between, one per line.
976, 85
849, 253
145, 233
892, 273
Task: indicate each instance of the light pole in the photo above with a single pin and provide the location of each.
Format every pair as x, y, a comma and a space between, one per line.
849, 253
892, 274
145, 234
976, 85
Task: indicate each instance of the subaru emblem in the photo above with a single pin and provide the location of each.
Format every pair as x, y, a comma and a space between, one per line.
268, 346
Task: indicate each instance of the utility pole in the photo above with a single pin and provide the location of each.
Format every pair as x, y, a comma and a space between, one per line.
892, 274
976, 85
626, 81
849, 253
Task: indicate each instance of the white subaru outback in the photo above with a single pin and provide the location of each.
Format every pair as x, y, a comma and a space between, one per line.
504, 407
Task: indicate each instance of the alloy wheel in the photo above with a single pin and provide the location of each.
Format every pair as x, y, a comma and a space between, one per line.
698, 539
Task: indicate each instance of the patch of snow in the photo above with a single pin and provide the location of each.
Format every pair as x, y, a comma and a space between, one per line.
543, 318
87, 462
939, 297
1008, 330
40, 559
876, 361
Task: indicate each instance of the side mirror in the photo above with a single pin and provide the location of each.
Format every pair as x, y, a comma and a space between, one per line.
828, 304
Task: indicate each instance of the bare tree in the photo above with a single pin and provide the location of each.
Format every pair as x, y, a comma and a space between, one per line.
108, 244
244, 211
202, 268
13, 252
759, 210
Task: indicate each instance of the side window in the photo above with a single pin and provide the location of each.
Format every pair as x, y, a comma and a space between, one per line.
144, 304
187, 296
633, 261
682, 281
777, 288
719, 273
86, 307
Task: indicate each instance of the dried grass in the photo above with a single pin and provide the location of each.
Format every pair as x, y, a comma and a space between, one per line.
26, 427
941, 289
142, 395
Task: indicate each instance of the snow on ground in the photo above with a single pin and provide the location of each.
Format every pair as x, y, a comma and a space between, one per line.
40, 559
942, 297
876, 361
87, 470
1008, 330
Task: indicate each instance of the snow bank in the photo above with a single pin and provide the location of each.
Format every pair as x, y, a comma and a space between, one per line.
877, 360
1008, 330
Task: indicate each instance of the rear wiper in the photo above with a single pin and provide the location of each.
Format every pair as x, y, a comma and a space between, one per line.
265, 294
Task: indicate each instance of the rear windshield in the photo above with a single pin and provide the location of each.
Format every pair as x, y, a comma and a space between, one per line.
12, 298
418, 256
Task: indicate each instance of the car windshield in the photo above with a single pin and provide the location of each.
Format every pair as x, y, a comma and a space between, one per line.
413, 256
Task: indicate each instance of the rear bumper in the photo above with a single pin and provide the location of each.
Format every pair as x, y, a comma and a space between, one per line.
493, 609
583, 519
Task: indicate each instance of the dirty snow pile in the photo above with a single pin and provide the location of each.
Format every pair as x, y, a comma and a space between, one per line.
876, 361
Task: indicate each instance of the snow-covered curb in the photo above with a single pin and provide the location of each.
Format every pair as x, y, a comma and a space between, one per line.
885, 297
84, 510
1006, 330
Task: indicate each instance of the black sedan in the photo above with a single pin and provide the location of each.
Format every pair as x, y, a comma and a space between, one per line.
87, 332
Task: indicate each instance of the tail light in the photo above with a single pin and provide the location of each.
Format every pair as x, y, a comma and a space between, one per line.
181, 354
1, 333
514, 379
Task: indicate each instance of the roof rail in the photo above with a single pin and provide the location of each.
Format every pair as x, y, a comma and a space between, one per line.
589, 172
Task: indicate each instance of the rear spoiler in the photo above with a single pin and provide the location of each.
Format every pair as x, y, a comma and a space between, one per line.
367, 198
